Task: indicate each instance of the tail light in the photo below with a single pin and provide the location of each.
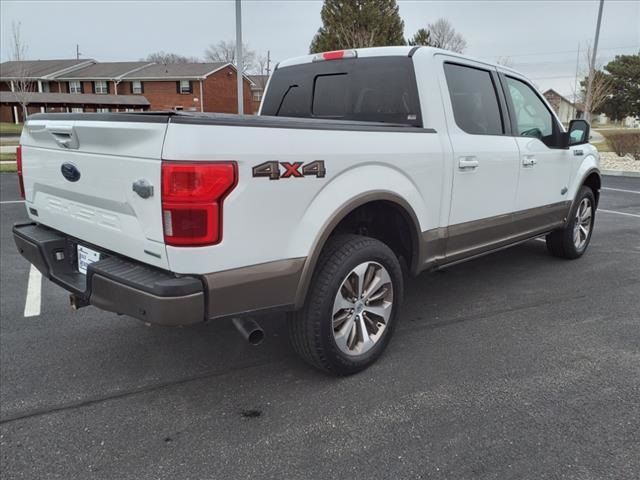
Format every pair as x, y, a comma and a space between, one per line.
19, 169
335, 55
192, 196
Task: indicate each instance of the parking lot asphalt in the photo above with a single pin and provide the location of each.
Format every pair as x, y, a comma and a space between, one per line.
516, 365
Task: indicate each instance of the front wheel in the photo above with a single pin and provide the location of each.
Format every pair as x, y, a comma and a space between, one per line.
572, 241
351, 306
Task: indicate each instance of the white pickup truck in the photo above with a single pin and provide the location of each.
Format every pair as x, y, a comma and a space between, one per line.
364, 167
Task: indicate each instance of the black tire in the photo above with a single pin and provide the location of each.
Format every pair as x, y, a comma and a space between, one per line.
311, 329
561, 243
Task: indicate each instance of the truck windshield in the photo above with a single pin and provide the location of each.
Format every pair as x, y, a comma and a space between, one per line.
376, 89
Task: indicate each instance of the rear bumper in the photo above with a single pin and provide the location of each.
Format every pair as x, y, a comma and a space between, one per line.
113, 283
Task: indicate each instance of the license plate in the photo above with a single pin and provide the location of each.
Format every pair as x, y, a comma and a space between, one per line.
86, 257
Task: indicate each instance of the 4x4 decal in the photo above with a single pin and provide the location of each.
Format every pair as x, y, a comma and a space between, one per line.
291, 170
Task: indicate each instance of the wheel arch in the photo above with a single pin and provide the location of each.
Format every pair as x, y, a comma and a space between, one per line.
331, 225
593, 180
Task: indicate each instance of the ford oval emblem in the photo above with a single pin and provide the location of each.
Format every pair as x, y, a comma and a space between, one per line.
70, 172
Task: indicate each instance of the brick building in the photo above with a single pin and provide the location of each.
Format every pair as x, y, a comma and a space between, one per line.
89, 86
564, 108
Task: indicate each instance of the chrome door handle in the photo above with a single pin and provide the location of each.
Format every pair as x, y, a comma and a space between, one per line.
465, 163
529, 161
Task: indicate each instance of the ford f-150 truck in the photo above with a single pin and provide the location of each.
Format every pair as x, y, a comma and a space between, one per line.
363, 167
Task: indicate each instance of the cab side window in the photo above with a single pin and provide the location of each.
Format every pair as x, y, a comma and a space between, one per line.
533, 118
474, 100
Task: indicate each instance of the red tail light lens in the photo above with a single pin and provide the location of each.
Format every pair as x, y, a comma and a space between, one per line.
192, 196
334, 55
19, 169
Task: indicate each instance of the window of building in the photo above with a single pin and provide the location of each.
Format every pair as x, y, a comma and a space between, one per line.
474, 100
100, 87
102, 110
75, 86
184, 86
45, 87
128, 110
178, 108
136, 87
257, 96
77, 110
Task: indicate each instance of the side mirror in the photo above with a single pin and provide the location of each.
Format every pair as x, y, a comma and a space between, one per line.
578, 133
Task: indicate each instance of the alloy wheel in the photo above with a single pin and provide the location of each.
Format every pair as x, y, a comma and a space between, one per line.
362, 308
582, 225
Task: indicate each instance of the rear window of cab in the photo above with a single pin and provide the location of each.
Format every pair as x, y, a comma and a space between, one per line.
376, 89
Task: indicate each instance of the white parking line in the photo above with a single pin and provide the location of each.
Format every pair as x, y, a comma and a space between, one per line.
619, 213
11, 201
32, 303
620, 190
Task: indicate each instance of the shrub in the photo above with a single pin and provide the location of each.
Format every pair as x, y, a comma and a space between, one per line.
625, 143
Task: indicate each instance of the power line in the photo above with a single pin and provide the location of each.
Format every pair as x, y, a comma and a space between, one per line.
562, 52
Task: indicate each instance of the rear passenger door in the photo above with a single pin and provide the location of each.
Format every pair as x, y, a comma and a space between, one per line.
485, 166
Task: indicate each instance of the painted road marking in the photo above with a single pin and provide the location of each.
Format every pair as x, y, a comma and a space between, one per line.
620, 190
34, 288
619, 213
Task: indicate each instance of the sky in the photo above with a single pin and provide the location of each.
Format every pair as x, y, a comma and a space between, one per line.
540, 38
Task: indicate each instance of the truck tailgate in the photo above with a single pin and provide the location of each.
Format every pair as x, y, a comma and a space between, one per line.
100, 207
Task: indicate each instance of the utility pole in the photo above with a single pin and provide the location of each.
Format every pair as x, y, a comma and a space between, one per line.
268, 62
575, 85
239, 64
587, 107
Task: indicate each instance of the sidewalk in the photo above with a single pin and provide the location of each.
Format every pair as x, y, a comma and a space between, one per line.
8, 148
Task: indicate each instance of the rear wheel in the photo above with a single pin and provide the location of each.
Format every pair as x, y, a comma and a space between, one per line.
351, 306
572, 241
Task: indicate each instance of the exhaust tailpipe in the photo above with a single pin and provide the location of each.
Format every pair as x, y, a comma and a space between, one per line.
249, 330
77, 301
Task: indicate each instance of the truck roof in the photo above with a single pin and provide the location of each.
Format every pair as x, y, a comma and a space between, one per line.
393, 51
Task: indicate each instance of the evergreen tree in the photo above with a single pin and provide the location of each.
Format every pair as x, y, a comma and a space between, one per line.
358, 24
624, 98
422, 37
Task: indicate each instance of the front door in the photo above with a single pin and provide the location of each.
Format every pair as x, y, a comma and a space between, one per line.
485, 167
545, 167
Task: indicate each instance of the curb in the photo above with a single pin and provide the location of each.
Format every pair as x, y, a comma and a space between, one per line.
620, 173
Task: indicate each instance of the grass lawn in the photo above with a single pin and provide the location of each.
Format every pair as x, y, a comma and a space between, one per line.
6, 167
10, 128
7, 157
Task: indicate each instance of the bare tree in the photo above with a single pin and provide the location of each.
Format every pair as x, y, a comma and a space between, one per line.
168, 58
601, 87
21, 85
505, 61
443, 35
226, 52
261, 70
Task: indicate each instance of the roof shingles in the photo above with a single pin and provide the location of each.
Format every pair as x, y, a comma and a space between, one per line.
38, 68
105, 71
185, 71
